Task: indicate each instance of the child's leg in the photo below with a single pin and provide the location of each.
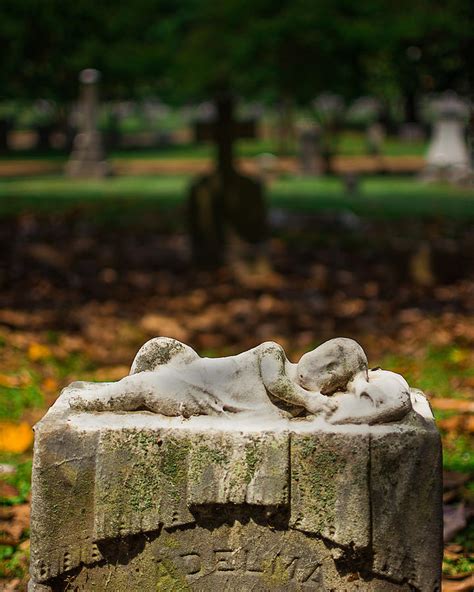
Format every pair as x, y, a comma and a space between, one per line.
124, 395
159, 351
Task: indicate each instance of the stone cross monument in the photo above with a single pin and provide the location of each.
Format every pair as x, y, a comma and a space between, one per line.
87, 157
225, 205
245, 473
448, 154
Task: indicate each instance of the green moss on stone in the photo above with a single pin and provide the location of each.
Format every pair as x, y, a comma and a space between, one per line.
319, 470
170, 579
275, 573
203, 456
174, 461
252, 460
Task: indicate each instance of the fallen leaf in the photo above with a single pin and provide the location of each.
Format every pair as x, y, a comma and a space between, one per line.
50, 384
7, 490
458, 423
454, 479
15, 437
466, 585
155, 324
48, 255
38, 351
14, 520
111, 373
8, 381
11, 586
453, 552
445, 404
454, 520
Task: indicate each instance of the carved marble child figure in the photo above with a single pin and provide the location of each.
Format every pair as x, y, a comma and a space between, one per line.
332, 381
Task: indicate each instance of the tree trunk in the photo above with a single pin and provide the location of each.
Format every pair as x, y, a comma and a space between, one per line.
5, 128
411, 108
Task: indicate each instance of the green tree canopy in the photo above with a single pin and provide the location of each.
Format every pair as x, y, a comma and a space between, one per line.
190, 49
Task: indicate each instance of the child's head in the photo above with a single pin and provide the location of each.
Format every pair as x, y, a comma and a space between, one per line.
331, 366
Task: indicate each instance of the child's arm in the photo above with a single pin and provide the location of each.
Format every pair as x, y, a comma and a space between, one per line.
277, 382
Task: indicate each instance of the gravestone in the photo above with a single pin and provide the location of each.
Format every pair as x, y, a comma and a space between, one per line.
310, 151
329, 110
375, 137
225, 203
267, 164
245, 473
87, 158
448, 154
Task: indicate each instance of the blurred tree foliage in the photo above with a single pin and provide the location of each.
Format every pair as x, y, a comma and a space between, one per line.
189, 50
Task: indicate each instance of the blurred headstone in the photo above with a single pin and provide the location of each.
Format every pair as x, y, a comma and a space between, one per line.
329, 110
310, 151
205, 129
87, 158
448, 154
268, 165
351, 182
375, 137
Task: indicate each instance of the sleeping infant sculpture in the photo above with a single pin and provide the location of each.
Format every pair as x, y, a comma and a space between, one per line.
332, 382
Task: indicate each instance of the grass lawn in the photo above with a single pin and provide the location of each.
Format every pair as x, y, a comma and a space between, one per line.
377, 196
349, 144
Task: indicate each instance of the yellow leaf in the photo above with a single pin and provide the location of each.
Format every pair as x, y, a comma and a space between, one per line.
38, 351
458, 355
8, 381
49, 384
15, 437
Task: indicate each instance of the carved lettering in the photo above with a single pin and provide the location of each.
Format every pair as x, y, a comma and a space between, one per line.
291, 566
313, 575
225, 560
244, 561
250, 565
192, 563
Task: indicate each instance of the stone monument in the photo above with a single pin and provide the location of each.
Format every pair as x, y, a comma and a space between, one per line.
310, 151
448, 154
245, 473
87, 157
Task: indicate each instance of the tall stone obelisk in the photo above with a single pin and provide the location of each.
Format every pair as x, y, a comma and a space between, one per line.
87, 157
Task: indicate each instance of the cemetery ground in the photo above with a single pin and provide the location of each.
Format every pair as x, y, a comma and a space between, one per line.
91, 270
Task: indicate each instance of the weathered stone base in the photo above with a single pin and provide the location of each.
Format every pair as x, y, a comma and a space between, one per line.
87, 170
87, 159
136, 502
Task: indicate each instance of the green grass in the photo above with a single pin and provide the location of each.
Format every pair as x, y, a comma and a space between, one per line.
458, 454
438, 371
350, 143
14, 401
377, 196
28, 392
21, 479
434, 371
355, 144
14, 559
